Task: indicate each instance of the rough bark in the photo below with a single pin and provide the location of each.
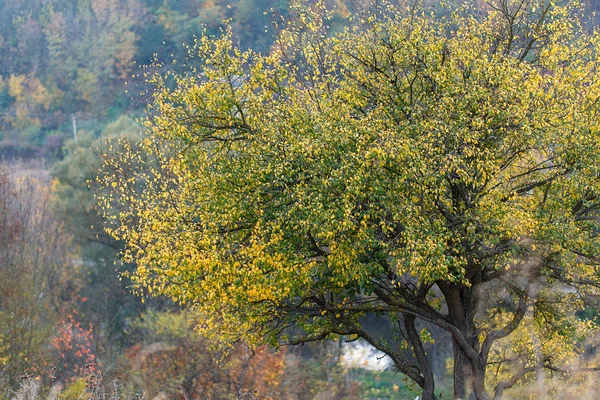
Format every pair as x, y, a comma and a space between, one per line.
469, 371
462, 372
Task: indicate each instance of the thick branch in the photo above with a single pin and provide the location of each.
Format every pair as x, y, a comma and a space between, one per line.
512, 381
403, 366
509, 328
435, 319
417, 346
517, 318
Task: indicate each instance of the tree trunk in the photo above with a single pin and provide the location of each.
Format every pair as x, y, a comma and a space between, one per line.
462, 372
469, 378
469, 374
479, 382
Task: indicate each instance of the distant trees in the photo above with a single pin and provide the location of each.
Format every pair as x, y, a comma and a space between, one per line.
440, 170
63, 57
37, 278
109, 303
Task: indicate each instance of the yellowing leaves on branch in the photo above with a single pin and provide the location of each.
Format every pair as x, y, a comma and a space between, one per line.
430, 169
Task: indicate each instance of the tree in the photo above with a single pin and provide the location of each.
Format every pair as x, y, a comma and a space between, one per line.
428, 169
34, 268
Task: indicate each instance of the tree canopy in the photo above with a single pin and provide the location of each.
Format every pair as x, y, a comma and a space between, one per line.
429, 169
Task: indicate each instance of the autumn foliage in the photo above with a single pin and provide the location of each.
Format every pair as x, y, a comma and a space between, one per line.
74, 346
430, 169
175, 361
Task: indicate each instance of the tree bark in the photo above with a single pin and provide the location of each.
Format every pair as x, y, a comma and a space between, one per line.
419, 351
462, 372
479, 382
469, 372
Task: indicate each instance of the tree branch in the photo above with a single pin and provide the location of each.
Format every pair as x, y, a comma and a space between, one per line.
417, 346
511, 382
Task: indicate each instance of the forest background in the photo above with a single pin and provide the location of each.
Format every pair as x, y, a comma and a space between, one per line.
72, 76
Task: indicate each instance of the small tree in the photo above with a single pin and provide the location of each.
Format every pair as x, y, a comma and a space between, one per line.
423, 168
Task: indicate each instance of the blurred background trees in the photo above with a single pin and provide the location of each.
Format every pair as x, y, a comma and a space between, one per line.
62, 58
37, 279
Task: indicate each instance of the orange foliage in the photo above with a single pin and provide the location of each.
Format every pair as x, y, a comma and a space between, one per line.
74, 345
188, 370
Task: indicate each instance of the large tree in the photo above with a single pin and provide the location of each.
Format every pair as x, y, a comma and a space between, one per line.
430, 169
